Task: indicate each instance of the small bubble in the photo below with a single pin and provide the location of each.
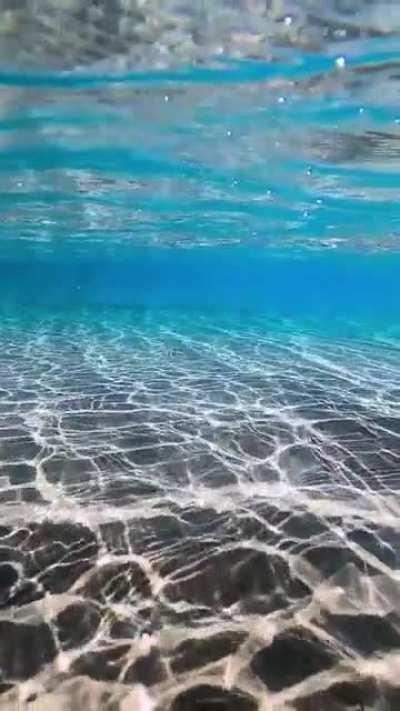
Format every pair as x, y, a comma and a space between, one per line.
281, 100
288, 21
340, 62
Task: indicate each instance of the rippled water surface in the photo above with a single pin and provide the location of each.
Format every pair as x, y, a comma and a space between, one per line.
199, 355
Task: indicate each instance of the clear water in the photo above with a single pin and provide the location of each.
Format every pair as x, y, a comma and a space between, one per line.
200, 357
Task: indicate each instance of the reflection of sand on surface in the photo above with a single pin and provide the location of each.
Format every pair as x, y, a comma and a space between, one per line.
198, 519
162, 32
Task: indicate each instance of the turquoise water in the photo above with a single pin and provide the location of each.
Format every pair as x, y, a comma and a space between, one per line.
200, 380
268, 186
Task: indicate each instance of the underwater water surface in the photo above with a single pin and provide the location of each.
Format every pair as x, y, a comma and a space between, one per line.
200, 357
